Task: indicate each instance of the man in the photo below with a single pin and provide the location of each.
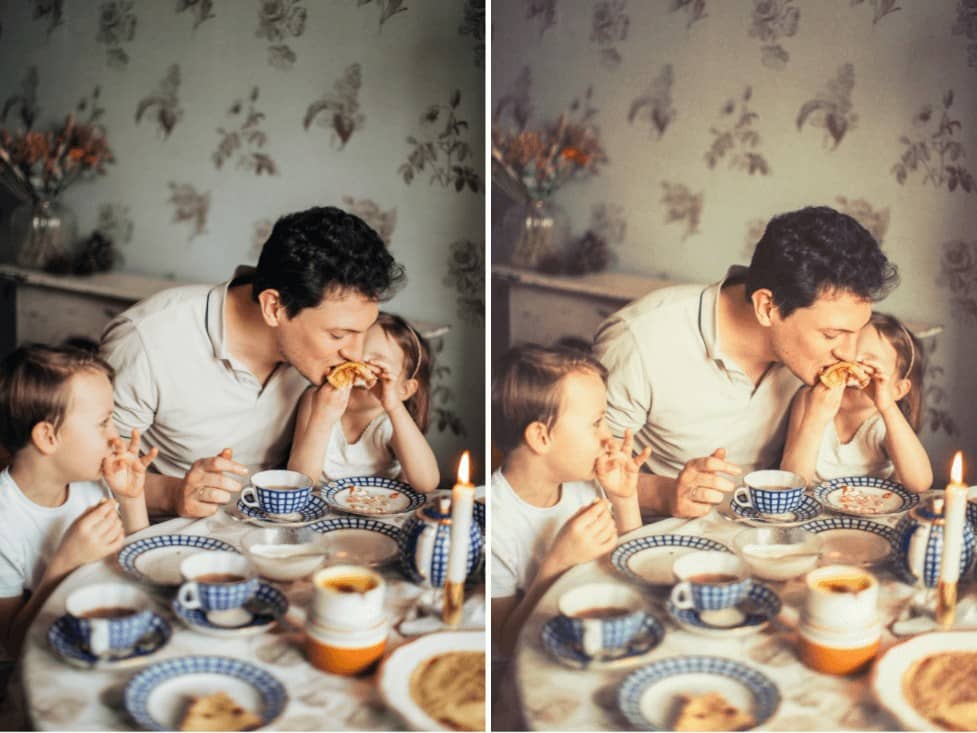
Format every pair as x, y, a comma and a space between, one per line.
705, 376
211, 373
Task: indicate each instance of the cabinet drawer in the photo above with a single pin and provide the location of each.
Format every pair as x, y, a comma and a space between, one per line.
542, 316
50, 316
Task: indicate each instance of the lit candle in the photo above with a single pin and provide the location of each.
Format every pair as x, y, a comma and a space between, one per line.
462, 506
954, 516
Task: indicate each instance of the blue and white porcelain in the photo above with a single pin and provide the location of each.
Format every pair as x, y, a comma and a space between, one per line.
426, 542
360, 540
729, 580
649, 705
479, 512
113, 634
264, 609
919, 543
865, 496
278, 492
157, 696
650, 559
771, 491
565, 649
213, 594
372, 496
750, 615
63, 639
603, 633
844, 540
157, 559
805, 511
316, 509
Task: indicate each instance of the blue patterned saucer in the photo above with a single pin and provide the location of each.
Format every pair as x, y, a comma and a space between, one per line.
751, 615
157, 559
649, 559
865, 496
360, 540
572, 655
378, 496
648, 695
316, 510
61, 638
265, 608
157, 696
852, 540
807, 510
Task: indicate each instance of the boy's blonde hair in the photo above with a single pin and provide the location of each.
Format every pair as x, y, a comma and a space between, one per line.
34, 388
909, 364
526, 388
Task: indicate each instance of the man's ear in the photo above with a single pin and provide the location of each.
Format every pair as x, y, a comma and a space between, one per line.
44, 437
537, 437
763, 306
272, 310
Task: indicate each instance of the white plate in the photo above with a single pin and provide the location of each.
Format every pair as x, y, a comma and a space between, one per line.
852, 540
360, 540
395, 672
865, 496
895, 662
157, 559
649, 559
382, 497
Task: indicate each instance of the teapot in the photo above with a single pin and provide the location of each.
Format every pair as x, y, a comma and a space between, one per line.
426, 544
919, 542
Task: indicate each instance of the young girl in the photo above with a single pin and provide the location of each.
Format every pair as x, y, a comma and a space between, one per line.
378, 431
840, 431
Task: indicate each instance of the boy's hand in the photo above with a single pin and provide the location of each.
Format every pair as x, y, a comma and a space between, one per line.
617, 470
587, 535
95, 534
124, 471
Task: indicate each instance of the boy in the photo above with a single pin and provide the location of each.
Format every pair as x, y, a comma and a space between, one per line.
547, 513
56, 421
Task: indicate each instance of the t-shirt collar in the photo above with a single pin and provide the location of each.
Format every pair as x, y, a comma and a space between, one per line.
214, 313
709, 314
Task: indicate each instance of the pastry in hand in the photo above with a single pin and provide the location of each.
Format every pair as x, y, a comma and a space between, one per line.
848, 373
711, 711
354, 373
218, 712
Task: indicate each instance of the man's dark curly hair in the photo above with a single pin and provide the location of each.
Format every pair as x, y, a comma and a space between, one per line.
816, 250
313, 253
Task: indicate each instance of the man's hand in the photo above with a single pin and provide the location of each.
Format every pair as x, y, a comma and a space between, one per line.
124, 471
95, 534
205, 487
617, 470
699, 487
587, 535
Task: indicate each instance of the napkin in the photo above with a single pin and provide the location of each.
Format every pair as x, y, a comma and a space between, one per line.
472, 617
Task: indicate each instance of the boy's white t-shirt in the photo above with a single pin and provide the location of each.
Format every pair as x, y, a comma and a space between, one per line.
31, 533
863, 455
370, 455
522, 534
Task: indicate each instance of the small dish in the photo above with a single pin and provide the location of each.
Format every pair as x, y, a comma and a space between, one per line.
778, 553
648, 696
63, 641
261, 613
315, 510
157, 696
372, 496
652, 632
360, 540
852, 540
865, 496
807, 510
157, 559
269, 549
649, 559
750, 616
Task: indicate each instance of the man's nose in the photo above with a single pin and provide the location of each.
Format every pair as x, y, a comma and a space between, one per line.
846, 351
353, 348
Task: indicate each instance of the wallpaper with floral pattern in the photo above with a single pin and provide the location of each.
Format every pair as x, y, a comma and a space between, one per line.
717, 114
225, 115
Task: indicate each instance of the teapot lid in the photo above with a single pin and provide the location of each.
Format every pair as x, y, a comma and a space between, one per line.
437, 511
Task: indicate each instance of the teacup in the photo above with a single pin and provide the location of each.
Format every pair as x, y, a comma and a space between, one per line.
217, 581
278, 492
347, 597
478, 512
771, 492
601, 618
342, 651
841, 597
710, 581
110, 618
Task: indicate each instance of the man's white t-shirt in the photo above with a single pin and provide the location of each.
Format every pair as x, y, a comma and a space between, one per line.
32, 533
863, 455
522, 534
370, 455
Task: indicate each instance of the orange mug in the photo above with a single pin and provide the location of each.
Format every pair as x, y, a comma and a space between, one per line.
345, 652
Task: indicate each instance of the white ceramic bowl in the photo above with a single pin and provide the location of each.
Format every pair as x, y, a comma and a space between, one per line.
269, 550
778, 553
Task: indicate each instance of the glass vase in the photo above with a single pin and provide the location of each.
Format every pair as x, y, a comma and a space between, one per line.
536, 234
42, 234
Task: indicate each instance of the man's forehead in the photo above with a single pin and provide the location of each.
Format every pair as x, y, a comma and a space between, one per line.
839, 310
345, 310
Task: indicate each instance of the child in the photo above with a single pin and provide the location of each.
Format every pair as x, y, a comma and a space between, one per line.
840, 431
56, 421
548, 515
377, 431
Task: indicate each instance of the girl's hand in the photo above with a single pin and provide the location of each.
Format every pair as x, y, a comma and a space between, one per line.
386, 389
822, 402
617, 470
124, 471
329, 403
882, 388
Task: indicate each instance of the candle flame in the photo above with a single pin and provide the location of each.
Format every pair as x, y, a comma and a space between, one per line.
464, 469
956, 470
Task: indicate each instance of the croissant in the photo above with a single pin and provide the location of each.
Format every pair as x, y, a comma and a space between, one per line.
354, 373
848, 373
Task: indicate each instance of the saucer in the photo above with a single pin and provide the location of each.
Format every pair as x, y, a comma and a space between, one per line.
314, 511
572, 655
749, 616
852, 540
360, 540
157, 559
262, 611
376, 496
807, 510
61, 637
649, 559
865, 496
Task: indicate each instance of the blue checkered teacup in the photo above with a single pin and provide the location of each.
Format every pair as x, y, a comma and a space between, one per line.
217, 581
600, 618
109, 619
709, 581
771, 492
278, 492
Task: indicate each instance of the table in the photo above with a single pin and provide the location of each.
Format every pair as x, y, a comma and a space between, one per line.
62, 697
555, 697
